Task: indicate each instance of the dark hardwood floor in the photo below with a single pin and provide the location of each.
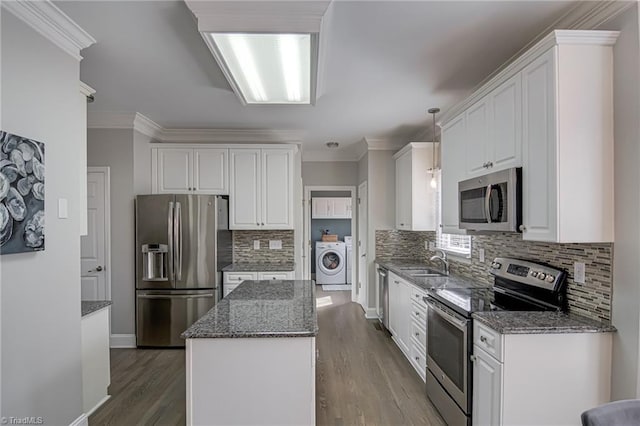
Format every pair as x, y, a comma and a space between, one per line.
362, 378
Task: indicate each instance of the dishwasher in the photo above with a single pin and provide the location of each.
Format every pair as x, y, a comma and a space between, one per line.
383, 296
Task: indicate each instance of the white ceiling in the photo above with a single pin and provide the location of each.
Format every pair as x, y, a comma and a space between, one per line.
386, 63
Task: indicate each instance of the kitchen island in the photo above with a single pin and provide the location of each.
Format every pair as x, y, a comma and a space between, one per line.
251, 359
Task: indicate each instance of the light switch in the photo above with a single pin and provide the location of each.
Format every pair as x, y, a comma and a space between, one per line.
275, 244
63, 208
481, 255
256, 244
578, 272
432, 245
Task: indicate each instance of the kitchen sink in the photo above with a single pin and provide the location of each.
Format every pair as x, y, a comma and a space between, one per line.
422, 272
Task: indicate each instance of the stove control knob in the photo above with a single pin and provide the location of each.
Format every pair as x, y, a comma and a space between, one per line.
534, 274
550, 278
496, 265
542, 276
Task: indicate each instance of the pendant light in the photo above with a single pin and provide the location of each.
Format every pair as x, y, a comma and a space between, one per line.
434, 183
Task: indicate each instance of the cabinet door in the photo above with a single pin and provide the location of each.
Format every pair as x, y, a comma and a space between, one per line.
174, 171
320, 208
244, 189
277, 189
394, 305
340, 208
506, 127
487, 389
476, 139
539, 185
210, 171
403, 192
453, 157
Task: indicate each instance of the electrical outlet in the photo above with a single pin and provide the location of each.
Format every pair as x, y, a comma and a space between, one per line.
578, 272
432, 245
275, 244
427, 246
256, 244
481, 255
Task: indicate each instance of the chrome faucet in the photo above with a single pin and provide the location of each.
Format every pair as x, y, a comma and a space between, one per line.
442, 258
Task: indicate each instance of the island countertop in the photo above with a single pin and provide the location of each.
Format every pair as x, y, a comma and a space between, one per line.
272, 308
89, 307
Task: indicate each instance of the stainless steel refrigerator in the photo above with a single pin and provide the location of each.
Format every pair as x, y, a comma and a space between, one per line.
182, 244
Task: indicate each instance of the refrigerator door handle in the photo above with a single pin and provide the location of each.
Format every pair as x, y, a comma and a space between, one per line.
175, 296
178, 236
170, 256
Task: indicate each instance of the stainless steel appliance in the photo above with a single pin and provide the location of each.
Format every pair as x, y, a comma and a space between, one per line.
383, 296
519, 285
491, 202
182, 244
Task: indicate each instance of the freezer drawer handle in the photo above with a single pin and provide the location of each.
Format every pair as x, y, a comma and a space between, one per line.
177, 296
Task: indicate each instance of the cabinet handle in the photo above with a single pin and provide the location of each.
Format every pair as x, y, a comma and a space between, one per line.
417, 314
417, 296
483, 339
417, 334
262, 223
472, 358
417, 358
484, 165
522, 228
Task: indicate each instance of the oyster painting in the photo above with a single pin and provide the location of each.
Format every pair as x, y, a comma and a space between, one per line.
21, 194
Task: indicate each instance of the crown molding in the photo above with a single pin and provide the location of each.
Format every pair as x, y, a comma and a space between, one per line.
86, 90
382, 144
51, 22
148, 127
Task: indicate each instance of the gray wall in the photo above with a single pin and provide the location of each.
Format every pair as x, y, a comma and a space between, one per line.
330, 173
114, 148
40, 304
626, 284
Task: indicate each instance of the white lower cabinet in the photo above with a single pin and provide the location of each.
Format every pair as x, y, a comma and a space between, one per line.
408, 321
231, 280
538, 379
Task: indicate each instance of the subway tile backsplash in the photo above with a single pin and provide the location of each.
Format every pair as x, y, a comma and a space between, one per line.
591, 299
243, 251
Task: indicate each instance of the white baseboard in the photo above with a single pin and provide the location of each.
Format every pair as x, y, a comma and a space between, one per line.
98, 405
123, 341
371, 313
83, 420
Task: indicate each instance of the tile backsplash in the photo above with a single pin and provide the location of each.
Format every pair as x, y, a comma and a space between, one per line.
243, 251
591, 299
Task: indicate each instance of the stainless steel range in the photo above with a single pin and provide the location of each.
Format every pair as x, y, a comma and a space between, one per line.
519, 285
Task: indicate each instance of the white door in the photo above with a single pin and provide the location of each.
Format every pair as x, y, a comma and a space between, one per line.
403, 191
487, 389
506, 130
363, 264
244, 188
539, 185
453, 151
477, 140
175, 167
277, 189
94, 247
210, 171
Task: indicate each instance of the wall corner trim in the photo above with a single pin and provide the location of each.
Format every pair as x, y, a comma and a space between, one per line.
120, 341
82, 420
47, 19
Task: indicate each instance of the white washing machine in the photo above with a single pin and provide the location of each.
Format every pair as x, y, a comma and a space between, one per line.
331, 265
349, 243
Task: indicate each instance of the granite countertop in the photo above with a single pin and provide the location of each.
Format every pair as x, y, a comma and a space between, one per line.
284, 308
518, 322
428, 283
260, 267
89, 307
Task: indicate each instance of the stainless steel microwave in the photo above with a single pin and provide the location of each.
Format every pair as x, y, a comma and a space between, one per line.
491, 202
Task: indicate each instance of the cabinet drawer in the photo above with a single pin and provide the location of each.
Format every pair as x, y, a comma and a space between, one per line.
238, 277
419, 314
274, 275
417, 295
419, 333
418, 359
487, 339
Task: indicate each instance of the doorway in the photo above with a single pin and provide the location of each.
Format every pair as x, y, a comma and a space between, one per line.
329, 210
95, 247
363, 264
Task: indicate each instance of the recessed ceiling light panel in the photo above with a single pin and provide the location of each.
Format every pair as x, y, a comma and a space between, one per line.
266, 68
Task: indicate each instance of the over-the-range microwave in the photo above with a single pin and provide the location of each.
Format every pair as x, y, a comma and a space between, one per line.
491, 203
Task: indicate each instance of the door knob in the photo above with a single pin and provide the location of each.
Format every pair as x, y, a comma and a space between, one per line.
98, 269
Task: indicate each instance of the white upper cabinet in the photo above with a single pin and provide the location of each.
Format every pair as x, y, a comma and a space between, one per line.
190, 170
453, 171
415, 198
261, 189
331, 208
550, 112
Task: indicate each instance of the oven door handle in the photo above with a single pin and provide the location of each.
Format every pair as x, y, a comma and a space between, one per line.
487, 204
459, 324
